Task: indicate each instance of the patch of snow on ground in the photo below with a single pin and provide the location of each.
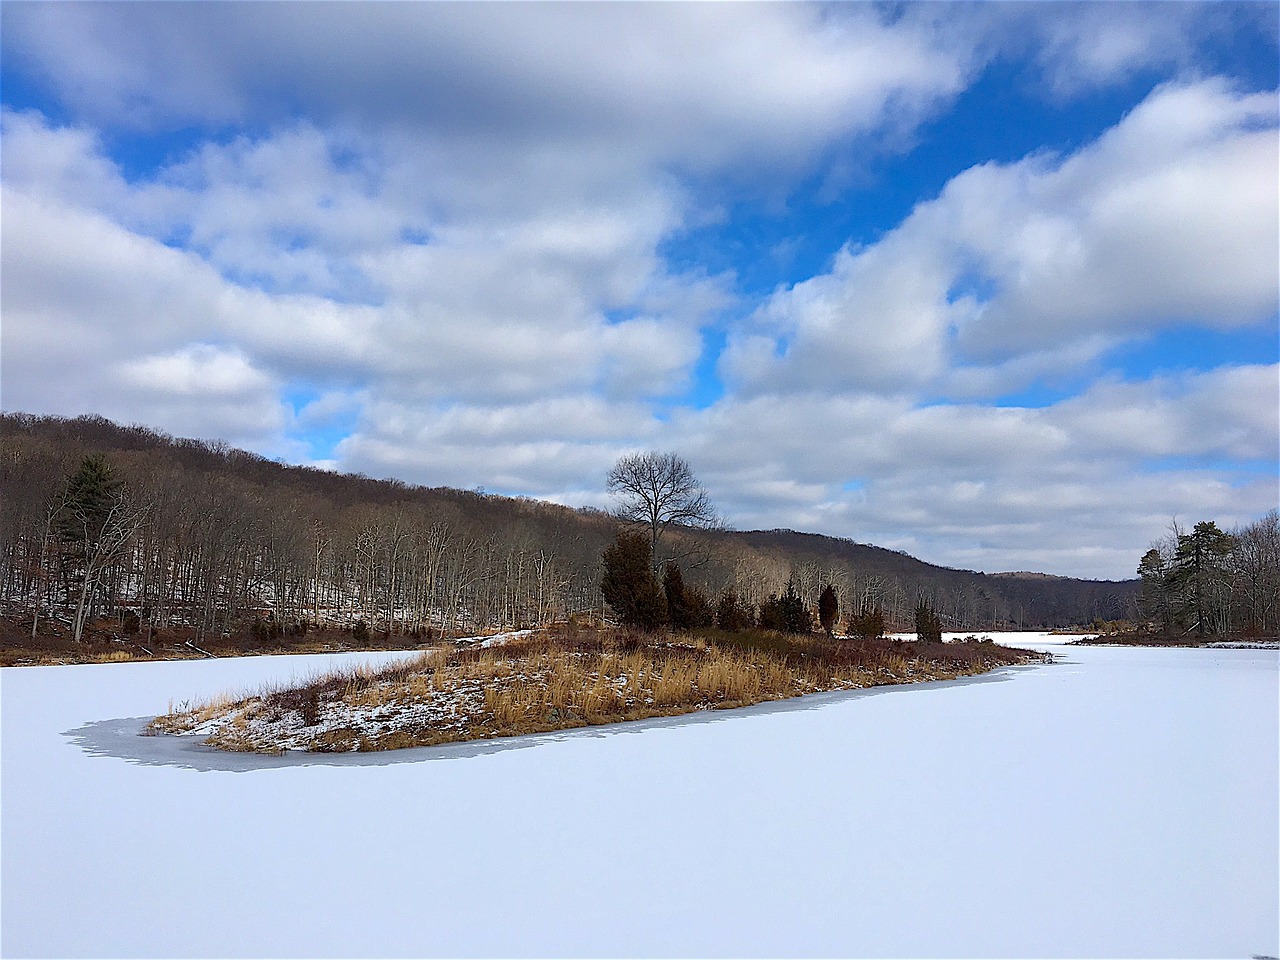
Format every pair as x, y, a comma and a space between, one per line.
501, 639
1120, 802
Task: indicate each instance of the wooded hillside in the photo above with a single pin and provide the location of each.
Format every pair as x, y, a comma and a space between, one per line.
185, 532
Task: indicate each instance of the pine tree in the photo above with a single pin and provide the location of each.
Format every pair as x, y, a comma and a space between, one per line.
1157, 589
786, 613
629, 585
89, 496
828, 609
1201, 579
95, 522
928, 626
678, 608
731, 615
868, 623
698, 607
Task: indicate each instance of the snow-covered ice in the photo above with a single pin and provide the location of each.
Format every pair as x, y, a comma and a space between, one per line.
1121, 802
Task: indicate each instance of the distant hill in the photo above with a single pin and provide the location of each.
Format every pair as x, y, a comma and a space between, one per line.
234, 534
965, 598
1028, 575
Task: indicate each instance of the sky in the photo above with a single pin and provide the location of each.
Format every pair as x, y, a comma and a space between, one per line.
994, 284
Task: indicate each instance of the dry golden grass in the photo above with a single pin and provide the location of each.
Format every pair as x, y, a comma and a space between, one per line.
115, 656
555, 681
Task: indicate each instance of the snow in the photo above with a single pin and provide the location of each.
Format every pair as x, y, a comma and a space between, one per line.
1120, 802
502, 639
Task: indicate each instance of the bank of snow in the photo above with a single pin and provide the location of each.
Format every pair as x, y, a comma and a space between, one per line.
1122, 802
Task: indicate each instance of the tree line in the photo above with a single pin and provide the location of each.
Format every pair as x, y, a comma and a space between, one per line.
657, 490
1207, 582
103, 520
646, 601
144, 537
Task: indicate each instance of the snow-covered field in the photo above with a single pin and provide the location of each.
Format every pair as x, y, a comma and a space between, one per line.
1120, 803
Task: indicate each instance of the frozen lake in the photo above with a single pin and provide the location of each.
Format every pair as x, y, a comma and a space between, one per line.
1122, 802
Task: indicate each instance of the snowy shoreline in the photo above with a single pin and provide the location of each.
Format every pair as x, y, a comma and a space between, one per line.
1215, 645
125, 738
524, 684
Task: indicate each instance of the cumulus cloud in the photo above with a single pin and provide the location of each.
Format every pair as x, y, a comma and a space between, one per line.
471, 308
197, 370
542, 448
674, 81
439, 231
1170, 217
1082, 46
990, 488
1229, 413
204, 385
66, 164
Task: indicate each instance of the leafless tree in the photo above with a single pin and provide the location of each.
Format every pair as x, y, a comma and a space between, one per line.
659, 490
1255, 566
100, 546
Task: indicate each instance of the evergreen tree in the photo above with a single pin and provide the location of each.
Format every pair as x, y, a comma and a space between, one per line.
678, 608
828, 609
629, 585
868, 623
731, 614
928, 626
1157, 589
699, 610
90, 493
786, 613
1201, 578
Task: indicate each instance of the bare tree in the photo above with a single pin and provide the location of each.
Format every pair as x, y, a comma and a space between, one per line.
1255, 562
97, 522
658, 490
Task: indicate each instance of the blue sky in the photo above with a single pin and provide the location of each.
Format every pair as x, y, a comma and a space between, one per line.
995, 284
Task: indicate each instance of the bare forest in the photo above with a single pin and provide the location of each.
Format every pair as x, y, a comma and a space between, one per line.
124, 525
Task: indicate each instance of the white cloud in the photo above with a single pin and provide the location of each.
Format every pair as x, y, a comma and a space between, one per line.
198, 370
1229, 413
1171, 217
676, 81
877, 320
444, 223
543, 448
204, 388
646, 357
998, 488
482, 310
1092, 45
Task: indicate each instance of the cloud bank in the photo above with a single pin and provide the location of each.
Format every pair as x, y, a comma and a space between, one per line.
434, 241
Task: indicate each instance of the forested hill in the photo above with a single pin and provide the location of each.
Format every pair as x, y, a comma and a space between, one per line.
966, 599
222, 535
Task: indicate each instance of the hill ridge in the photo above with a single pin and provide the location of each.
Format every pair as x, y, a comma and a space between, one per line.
40, 450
